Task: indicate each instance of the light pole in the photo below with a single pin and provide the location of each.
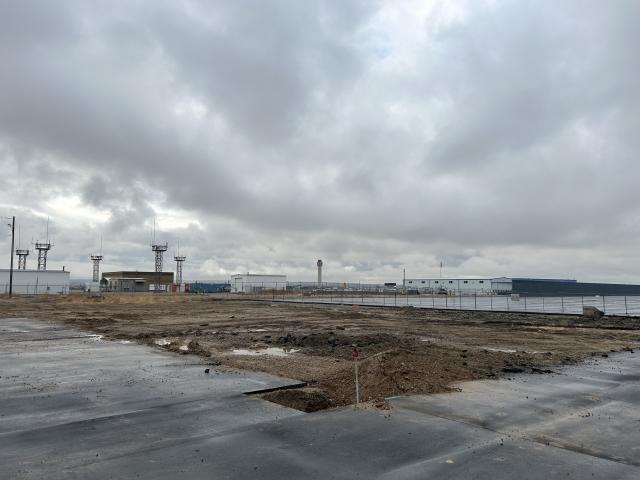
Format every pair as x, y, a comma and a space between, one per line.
13, 237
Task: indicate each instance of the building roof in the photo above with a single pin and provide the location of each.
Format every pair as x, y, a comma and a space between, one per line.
33, 270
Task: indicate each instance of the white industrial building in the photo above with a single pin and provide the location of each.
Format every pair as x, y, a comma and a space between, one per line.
35, 281
249, 282
456, 286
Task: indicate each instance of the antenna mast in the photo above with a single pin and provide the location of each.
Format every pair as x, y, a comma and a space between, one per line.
21, 253
43, 248
159, 250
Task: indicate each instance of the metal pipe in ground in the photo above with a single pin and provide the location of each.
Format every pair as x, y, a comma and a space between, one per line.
626, 310
355, 354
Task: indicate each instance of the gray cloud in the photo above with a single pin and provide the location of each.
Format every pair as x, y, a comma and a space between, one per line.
263, 135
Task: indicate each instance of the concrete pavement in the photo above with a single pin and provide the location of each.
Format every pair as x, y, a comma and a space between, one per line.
77, 406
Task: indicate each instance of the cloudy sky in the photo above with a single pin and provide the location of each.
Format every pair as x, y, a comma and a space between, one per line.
500, 137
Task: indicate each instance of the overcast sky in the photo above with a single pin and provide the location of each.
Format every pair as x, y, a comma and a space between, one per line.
499, 137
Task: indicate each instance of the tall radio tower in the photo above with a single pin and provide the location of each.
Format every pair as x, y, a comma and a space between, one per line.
159, 250
22, 258
179, 260
22, 253
96, 259
43, 248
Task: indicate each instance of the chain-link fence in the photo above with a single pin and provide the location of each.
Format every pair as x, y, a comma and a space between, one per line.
379, 295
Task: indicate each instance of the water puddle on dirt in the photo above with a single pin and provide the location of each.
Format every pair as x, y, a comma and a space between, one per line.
272, 351
162, 342
502, 350
95, 337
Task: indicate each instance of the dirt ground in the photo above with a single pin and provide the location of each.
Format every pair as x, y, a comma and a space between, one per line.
402, 351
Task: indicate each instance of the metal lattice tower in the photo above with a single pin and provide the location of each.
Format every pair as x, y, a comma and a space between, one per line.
179, 260
42, 248
22, 258
159, 251
96, 259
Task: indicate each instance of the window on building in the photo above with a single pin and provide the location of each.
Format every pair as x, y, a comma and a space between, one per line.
450, 281
436, 281
423, 281
465, 281
481, 281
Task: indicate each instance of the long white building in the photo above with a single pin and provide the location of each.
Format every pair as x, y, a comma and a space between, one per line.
35, 281
455, 286
249, 282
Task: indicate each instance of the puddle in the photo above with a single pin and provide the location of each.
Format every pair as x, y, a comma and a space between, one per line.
162, 342
184, 348
272, 351
259, 330
95, 337
125, 342
503, 350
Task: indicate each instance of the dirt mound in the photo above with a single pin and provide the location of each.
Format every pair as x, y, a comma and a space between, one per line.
323, 340
197, 349
304, 399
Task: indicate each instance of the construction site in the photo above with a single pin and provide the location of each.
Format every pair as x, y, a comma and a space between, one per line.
402, 350
540, 365
191, 371
319, 240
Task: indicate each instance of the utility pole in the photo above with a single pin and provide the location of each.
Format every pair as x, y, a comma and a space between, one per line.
13, 236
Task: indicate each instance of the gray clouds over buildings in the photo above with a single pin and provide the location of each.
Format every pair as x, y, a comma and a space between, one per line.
498, 136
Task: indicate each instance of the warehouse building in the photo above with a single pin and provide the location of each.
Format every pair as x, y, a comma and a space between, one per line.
531, 287
450, 286
30, 282
539, 287
252, 283
136, 281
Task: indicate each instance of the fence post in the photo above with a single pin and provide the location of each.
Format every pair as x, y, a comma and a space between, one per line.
446, 301
562, 300
395, 299
460, 299
525, 304
604, 306
475, 301
491, 300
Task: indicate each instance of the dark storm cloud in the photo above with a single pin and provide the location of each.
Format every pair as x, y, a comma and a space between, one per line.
263, 134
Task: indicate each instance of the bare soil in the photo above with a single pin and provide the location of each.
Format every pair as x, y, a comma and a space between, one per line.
402, 350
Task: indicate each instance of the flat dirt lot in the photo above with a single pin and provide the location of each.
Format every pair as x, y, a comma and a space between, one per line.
402, 350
